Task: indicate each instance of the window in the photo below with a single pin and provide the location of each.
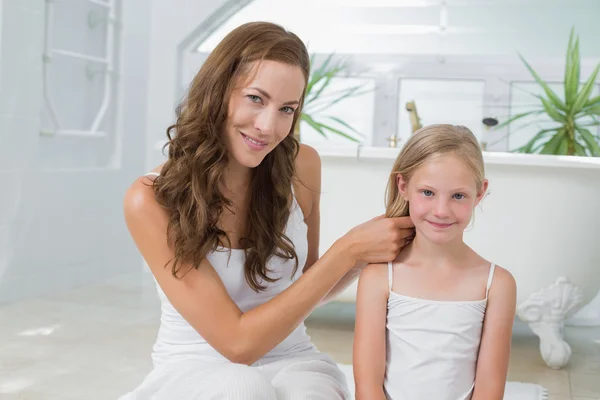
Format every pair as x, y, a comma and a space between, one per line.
455, 58
458, 102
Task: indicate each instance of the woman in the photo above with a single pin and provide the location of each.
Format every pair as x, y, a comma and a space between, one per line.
229, 227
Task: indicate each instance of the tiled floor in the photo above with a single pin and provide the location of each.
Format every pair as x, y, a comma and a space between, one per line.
94, 343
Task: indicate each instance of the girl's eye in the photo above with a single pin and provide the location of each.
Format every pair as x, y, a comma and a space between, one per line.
288, 110
459, 196
427, 193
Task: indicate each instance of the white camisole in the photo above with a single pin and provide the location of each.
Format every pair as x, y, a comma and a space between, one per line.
178, 341
432, 346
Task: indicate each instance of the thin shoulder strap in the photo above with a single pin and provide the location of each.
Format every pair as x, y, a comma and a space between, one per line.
390, 274
152, 173
490, 278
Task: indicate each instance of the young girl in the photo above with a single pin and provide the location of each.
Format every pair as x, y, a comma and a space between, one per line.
436, 322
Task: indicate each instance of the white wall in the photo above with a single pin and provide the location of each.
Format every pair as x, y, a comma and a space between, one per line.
170, 26
61, 221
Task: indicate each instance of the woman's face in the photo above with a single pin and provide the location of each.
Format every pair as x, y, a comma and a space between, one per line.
261, 111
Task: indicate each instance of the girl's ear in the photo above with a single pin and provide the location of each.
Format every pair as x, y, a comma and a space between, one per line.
482, 191
402, 185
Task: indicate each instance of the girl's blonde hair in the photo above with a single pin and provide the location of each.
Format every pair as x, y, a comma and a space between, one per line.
427, 142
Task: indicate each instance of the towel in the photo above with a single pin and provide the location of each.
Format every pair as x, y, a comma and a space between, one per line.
513, 391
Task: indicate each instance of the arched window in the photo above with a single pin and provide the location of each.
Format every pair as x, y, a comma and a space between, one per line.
449, 61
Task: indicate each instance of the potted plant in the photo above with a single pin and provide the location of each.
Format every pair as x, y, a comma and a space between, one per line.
318, 99
573, 116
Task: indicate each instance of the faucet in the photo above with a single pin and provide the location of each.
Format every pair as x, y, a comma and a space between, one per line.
393, 140
415, 120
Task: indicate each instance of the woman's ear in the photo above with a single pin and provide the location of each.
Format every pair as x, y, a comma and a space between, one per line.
402, 185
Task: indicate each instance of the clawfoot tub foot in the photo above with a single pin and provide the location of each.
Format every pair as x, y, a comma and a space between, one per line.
545, 311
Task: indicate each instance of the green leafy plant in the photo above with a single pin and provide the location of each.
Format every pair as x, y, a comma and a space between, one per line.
318, 99
573, 116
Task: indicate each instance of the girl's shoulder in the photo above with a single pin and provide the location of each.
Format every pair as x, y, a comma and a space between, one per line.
375, 271
374, 278
502, 281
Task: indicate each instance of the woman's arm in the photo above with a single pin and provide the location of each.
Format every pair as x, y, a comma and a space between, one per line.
308, 194
494, 351
368, 356
201, 298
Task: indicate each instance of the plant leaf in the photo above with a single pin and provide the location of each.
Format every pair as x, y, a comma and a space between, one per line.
328, 95
590, 141
572, 70
327, 76
563, 147
586, 90
551, 95
317, 75
595, 123
553, 112
580, 150
553, 144
350, 92
320, 127
339, 121
528, 147
337, 131
329, 99
308, 119
518, 116
595, 101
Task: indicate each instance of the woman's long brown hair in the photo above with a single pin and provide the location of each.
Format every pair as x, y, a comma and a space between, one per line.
188, 186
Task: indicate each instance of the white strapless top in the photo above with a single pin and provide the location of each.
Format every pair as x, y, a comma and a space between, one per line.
432, 346
177, 340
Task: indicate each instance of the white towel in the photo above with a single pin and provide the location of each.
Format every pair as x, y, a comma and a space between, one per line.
513, 391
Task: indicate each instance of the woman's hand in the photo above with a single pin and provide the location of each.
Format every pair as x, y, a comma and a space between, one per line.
378, 240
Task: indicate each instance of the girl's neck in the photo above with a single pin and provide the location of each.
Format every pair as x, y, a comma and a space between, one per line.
450, 253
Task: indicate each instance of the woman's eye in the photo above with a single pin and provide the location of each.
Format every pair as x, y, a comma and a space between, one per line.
459, 196
427, 192
288, 110
254, 98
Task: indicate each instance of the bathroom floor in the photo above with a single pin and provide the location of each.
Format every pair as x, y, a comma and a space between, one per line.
94, 343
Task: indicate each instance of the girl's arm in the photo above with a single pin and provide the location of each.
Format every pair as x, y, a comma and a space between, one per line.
494, 351
369, 332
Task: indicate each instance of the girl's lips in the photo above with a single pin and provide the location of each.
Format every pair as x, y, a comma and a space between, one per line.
437, 225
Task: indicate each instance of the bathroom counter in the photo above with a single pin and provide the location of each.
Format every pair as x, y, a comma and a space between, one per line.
490, 158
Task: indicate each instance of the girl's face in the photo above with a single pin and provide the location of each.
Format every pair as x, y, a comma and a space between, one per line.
442, 195
261, 111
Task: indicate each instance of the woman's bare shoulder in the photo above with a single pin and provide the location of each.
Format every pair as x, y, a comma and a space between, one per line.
307, 185
139, 200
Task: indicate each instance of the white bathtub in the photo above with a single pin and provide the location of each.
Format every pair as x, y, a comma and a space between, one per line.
539, 221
